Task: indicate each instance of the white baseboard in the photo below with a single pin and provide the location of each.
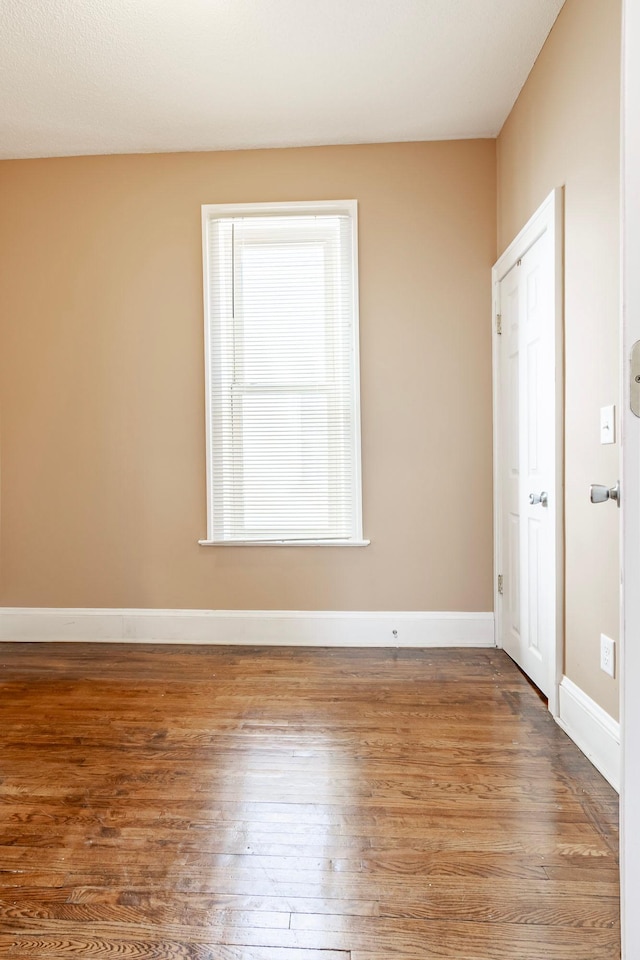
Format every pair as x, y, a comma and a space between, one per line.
300, 628
592, 729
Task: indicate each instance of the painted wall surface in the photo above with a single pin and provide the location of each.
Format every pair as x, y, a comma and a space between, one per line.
102, 386
565, 130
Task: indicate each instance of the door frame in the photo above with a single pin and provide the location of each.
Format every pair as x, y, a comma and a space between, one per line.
547, 219
630, 621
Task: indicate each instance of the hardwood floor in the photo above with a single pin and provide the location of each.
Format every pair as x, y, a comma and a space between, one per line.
295, 804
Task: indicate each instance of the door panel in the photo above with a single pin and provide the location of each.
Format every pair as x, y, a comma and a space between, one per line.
533, 584
528, 439
510, 423
513, 574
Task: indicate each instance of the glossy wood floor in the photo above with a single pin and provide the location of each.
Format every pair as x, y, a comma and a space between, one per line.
290, 804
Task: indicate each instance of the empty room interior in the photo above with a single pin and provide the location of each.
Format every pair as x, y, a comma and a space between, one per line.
312, 410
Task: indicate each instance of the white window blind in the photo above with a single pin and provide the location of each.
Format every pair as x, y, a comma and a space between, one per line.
282, 374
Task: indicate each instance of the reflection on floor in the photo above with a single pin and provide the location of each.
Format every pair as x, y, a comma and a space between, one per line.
295, 804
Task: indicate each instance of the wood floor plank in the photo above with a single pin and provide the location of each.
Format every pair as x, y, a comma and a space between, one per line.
295, 804
96, 948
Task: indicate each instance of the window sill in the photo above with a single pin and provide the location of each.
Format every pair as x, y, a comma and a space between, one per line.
284, 543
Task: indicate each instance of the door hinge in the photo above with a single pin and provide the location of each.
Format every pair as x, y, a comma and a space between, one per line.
634, 392
498, 323
500, 584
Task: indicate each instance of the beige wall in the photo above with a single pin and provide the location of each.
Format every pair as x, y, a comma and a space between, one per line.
103, 482
564, 129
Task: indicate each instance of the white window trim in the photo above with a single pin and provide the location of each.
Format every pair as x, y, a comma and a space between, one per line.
212, 211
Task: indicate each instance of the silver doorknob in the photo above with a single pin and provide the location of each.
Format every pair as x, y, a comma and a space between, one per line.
542, 498
600, 493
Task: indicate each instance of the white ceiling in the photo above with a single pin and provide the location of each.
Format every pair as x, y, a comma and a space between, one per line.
125, 76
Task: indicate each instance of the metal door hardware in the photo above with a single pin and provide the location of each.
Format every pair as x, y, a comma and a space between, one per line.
600, 493
634, 392
542, 498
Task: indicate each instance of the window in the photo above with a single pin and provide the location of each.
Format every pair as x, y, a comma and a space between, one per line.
283, 431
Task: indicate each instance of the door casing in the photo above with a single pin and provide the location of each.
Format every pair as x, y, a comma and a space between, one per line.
548, 218
630, 622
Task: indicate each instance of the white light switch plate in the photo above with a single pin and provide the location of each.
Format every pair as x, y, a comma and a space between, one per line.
608, 424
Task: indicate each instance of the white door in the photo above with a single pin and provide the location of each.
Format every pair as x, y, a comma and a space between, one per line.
631, 492
528, 478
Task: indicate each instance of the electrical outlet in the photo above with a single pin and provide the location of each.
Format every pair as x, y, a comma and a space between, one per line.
607, 655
